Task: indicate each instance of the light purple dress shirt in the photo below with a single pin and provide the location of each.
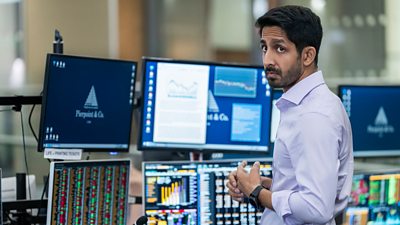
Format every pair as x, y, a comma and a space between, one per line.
313, 156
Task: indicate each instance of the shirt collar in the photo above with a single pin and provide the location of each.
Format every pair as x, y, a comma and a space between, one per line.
300, 90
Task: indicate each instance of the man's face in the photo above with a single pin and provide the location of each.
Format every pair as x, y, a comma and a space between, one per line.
281, 60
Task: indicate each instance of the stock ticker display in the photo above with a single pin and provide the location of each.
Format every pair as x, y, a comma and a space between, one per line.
195, 193
89, 193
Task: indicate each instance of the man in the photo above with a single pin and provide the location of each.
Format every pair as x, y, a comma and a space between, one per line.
313, 159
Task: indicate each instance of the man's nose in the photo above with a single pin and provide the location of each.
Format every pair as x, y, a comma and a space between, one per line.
268, 58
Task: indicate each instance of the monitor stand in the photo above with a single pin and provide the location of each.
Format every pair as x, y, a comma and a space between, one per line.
196, 156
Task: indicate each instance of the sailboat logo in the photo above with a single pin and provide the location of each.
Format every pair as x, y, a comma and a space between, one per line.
213, 109
91, 108
91, 100
381, 118
381, 125
212, 104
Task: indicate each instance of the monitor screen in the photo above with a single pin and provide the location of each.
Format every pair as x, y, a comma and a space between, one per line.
375, 198
204, 106
384, 198
374, 116
360, 190
87, 103
357, 216
195, 193
88, 192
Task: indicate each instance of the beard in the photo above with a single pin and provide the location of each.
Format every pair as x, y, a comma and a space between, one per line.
282, 80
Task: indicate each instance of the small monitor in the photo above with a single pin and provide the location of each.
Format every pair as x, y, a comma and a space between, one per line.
87, 104
88, 192
374, 116
195, 193
189, 105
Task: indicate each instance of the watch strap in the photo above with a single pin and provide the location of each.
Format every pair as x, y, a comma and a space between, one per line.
254, 195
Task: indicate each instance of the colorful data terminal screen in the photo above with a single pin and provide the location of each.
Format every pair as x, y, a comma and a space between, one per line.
375, 199
88, 192
195, 193
204, 106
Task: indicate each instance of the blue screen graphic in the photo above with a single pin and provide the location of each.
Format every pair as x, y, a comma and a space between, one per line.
374, 115
204, 106
275, 117
235, 82
87, 103
246, 122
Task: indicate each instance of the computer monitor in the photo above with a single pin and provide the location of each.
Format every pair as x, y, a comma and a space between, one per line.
194, 193
87, 103
189, 105
374, 116
384, 198
375, 199
88, 192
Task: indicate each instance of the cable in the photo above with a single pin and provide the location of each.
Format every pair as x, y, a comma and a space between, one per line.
30, 123
9, 218
46, 185
30, 120
26, 160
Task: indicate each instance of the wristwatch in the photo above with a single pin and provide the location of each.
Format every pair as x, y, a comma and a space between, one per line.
253, 198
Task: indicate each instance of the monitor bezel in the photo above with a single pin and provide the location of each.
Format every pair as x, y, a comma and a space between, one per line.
140, 145
369, 153
51, 181
44, 103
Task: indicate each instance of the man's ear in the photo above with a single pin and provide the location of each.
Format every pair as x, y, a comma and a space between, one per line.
308, 55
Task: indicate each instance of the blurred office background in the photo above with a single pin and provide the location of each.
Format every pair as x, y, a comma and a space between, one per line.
359, 47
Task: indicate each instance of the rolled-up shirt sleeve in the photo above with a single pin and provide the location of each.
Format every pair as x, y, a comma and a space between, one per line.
313, 152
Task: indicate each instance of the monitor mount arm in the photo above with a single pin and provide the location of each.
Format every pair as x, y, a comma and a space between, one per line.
18, 101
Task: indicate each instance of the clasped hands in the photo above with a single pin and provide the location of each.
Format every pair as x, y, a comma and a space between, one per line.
241, 183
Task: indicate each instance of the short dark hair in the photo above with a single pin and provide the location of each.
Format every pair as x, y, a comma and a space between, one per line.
301, 25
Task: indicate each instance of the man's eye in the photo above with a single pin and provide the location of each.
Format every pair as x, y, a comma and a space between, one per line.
280, 49
263, 48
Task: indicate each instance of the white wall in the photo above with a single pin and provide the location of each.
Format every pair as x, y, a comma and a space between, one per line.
231, 24
392, 39
84, 26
